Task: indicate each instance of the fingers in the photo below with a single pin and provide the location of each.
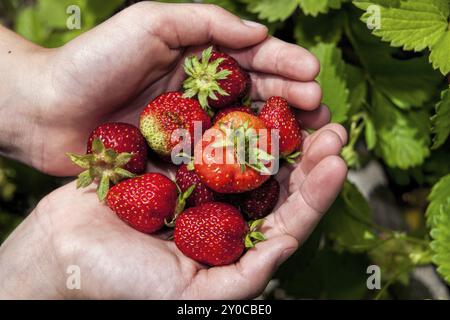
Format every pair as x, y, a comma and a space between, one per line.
249, 276
315, 119
325, 142
302, 95
280, 58
298, 216
184, 25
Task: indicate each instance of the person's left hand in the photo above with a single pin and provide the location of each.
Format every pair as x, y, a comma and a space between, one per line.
111, 72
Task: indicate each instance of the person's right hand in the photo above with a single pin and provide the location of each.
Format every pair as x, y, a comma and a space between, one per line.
111, 72
71, 228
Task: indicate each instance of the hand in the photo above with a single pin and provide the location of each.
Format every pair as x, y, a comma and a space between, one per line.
111, 72
70, 227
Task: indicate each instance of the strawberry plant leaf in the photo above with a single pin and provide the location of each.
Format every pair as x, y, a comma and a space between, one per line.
403, 137
348, 222
333, 80
414, 25
441, 120
441, 242
315, 7
272, 10
439, 197
370, 133
310, 31
357, 86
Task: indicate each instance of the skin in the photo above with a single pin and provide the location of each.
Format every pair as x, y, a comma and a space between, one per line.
64, 93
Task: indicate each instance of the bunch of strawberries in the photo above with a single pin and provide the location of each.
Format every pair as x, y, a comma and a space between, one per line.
226, 178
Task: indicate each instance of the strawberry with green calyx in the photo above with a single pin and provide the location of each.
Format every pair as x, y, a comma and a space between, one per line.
115, 151
217, 80
167, 113
215, 233
277, 114
240, 137
146, 202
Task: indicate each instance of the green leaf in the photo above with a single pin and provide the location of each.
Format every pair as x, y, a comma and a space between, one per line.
272, 10
370, 133
348, 221
357, 86
28, 25
441, 241
333, 80
439, 198
441, 120
402, 137
408, 83
314, 7
310, 31
103, 9
414, 25
103, 187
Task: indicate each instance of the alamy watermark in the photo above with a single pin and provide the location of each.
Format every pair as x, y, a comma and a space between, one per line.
73, 22
73, 281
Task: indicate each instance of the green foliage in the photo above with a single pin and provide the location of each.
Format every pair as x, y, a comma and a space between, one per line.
415, 25
45, 23
441, 120
349, 221
438, 214
332, 79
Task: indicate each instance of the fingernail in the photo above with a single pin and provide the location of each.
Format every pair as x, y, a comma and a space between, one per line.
252, 24
285, 255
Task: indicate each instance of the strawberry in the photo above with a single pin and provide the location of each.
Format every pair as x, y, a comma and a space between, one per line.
236, 159
258, 203
223, 112
147, 201
115, 151
277, 114
217, 80
214, 233
202, 194
167, 113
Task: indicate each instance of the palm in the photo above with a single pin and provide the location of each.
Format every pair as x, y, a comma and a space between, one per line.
109, 252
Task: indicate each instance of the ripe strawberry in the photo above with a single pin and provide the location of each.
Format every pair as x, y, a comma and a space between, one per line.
115, 151
258, 203
233, 156
217, 79
202, 194
165, 114
214, 233
223, 112
277, 114
147, 201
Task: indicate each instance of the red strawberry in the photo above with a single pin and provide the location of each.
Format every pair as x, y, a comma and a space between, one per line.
214, 233
167, 113
115, 151
277, 114
218, 161
202, 194
223, 112
258, 203
146, 202
217, 79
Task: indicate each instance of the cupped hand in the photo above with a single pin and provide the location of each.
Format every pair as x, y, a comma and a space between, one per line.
111, 72
71, 228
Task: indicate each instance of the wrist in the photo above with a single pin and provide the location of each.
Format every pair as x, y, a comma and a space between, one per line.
24, 84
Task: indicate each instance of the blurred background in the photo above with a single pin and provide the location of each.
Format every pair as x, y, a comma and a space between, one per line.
394, 211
